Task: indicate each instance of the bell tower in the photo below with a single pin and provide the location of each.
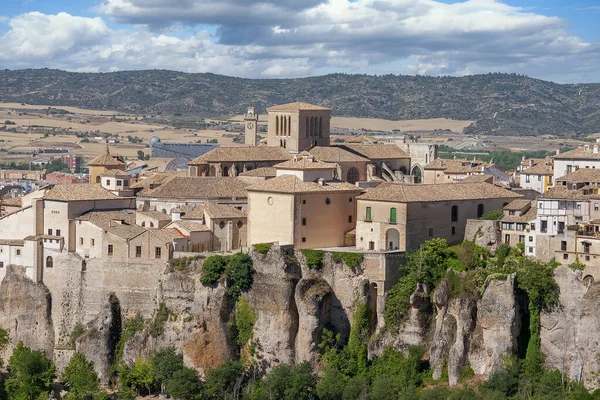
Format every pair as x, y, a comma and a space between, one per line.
251, 120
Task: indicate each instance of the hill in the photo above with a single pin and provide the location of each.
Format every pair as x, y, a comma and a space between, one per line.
502, 104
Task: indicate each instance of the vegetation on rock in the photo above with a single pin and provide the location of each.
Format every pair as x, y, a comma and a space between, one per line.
352, 260
263, 248
314, 258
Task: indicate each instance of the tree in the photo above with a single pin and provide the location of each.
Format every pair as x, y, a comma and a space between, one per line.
80, 378
140, 154
30, 374
240, 272
141, 377
184, 384
221, 381
4, 339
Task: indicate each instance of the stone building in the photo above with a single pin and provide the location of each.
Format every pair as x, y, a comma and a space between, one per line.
584, 157
452, 170
180, 191
231, 161
518, 224
303, 206
298, 126
537, 175
350, 167
400, 217
104, 163
387, 161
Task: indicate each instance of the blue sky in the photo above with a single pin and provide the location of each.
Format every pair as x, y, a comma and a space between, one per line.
552, 39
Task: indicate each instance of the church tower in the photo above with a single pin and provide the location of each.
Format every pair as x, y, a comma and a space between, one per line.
251, 120
298, 126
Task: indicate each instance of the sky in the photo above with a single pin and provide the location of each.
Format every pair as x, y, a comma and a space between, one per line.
557, 40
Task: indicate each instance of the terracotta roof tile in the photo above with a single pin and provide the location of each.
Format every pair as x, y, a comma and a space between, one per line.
335, 154
529, 216
415, 193
78, 192
297, 106
517, 205
579, 153
541, 168
304, 163
263, 172
115, 173
189, 187
376, 151
106, 159
293, 184
243, 154
581, 175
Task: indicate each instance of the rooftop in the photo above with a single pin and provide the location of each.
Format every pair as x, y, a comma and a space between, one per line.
517, 205
529, 216
12, 202
79, 192
335, 154
297, 106
12, 242
375, 151
456, 166
215, 210
301, 162
292, 184
541, 168
188, 187
190, 226
242, 154
155, 214
119, 222
580, 153
106, 159
263, 172
562, 193
116, 173
416, 193
581, 175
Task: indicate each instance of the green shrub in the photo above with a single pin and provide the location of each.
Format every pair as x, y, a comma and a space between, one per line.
352, 260
245, 318
314, 258
182, 263
78, 330
263, 248
397, 302
492, 215
157, 327
240, 274
212, 268
577, 265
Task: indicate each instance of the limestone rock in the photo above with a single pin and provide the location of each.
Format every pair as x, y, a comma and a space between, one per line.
497, 327
101, 335
25, 311
569, 333
313, 299
484, 233
273, 299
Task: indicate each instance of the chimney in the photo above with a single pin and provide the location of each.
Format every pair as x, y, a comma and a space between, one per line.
557, 152
321, 182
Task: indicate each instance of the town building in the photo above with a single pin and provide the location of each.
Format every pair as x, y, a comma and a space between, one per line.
103, 163
303, 206
587, 156
518, 224
537, 175
452, 170
387, 161
231, 161
400, 217
298, 126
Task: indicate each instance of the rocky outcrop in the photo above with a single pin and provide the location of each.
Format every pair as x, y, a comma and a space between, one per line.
569, 333
273, 299
483, 233
25, 311
100, 339
313, 300
497, 326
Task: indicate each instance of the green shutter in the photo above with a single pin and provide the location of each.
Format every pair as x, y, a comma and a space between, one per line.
393, 215
368, 213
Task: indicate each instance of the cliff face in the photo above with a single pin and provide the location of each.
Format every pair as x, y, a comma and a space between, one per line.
292, 304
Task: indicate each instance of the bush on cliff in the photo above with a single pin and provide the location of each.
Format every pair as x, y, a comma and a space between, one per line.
30, 374
212, 269
80, 379
314, 258
240, 274
352, 260
263, 248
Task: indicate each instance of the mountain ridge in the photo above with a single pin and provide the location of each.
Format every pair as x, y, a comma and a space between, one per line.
501, 104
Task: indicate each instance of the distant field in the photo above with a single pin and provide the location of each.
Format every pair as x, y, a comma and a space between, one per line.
376, 124
67, 108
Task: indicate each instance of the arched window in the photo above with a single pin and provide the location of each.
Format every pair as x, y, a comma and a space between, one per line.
212, 171
222, 224
143, 224
454, 213
151, 224
98, 179
277, 125
225, 171
479, 210
49, 262
352, 176
164, 211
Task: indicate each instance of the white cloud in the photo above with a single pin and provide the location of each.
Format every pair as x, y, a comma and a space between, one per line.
274, 38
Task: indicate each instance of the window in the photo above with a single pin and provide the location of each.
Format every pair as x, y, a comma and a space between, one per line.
544, 227
532, 227
222, 224
303, 221
511, 213
479, 210
157, 252
430, 232
303, 201
125, 183
595, 206
108, 181
454, 230
507, 238
50, 232
587, 258
119, 182
369, 217
371, 246
81, 241
328, 201
18, 252
531, 238
561, 227
1, 264
49, 262
58, 232
565, 256
92, 242
563, 245
586, 247
530, 249
527, 178
539, 178
110, 249
349, 219
579, 206
303, 240
393, 215
240, 224
350, 200
521, 238
138, 251
569, 168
